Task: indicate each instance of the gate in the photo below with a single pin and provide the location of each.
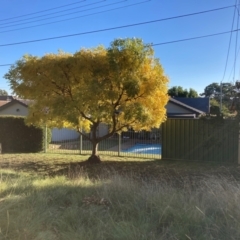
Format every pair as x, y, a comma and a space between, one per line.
200, 139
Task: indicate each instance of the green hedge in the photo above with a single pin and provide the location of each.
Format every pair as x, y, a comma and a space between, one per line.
17, 137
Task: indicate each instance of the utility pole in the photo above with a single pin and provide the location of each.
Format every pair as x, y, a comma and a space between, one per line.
221, 98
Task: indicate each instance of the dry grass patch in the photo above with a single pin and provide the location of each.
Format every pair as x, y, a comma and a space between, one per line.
114, 206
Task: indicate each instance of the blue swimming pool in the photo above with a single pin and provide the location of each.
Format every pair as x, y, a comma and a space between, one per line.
141, 148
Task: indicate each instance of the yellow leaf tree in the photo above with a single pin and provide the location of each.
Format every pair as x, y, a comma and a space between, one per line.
122, 86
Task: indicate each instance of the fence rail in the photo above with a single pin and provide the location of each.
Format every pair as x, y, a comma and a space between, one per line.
178, 139
133, 144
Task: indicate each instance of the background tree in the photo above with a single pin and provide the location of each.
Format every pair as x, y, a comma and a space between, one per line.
122, 86
192, 93
178, 91
213, 91
3, 92
215, 108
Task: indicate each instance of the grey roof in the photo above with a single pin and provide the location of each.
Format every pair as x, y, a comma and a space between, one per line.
3, 102
6, 98
202, 104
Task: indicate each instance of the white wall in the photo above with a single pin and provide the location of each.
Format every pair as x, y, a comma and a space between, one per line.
173, 108
102, 130
64, 134
16, 109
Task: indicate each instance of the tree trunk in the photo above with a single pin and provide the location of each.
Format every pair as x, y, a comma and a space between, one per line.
94, 158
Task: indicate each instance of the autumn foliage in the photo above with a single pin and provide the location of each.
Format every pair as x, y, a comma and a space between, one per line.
122, 86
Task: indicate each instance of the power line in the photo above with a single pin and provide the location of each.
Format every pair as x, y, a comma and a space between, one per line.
129, 25
65, 10
232, 70
5, 65
67, 14
233, 66
164, 19
170, 42
194, 38
229, 45
49, 9
102, 30
196, 13
235, 57
64, 20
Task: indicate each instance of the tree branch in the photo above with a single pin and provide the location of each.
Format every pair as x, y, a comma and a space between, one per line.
83, 134
85, 116
69, 90
135, 98
117, 103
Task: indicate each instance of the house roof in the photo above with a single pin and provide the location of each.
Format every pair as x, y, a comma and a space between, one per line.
10, 103
24, 101
7, 101
183, 105
3, 102
6, 98
202, 104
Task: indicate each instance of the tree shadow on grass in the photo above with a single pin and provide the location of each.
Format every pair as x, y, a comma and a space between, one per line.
55, 208
178, 172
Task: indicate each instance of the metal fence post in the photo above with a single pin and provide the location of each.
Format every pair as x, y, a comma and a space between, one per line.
238, 146
119, 144
80, 143
46, 140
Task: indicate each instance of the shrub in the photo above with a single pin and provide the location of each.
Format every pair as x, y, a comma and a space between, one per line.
17, 137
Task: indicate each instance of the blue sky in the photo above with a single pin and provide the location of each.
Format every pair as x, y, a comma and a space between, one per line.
190, 64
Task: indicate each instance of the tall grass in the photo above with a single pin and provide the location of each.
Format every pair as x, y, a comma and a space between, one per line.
116, 207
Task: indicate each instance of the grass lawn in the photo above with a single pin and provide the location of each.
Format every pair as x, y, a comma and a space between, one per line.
54, 196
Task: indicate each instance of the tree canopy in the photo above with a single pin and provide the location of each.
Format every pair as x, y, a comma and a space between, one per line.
122, 86
3, 92
178, 91
213, 90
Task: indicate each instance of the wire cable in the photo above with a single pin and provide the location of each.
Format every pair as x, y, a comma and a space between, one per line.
235, 56
185, 15
54, 12
109, 10
110, 29
229, 77
163, 43
193, 38
46, 10
5, 65
230, 41
67, 14
163, 19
